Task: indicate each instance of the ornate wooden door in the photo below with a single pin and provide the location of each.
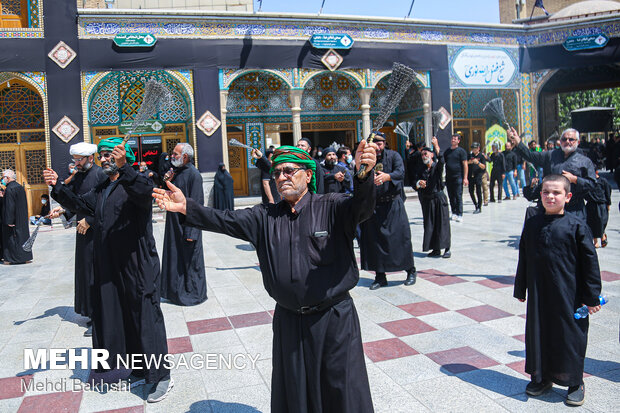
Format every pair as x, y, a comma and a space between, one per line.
13, 14
237, 165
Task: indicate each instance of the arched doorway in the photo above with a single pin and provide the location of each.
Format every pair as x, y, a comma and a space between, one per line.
564, 81
114, 102
330, 109
22, 138
410, 109
258, 113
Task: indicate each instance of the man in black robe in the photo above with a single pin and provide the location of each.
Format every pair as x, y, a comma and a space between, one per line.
567, 161
597, 208
127, 318
306, 145
435, 212
385, 243
183, 279
14, 221
88, 175
223, 189
336, 178
498, 173
305, 251
558, 268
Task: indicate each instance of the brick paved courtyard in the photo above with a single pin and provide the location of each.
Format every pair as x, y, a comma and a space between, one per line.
451, 342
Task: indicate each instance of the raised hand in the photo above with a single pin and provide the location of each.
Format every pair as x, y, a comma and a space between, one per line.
366, 154
172, 200
50, 176
56, 212
119, 153
256, 154
514, 136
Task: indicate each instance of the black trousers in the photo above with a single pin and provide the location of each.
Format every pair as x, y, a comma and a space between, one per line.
475, 185
496, 178
455, 194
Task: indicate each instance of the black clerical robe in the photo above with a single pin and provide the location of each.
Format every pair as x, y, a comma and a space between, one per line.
435, 211
554, 162
183, 279
596, 208
126, 315
385, 244
306, 258
82, 183
558, 267
15, 224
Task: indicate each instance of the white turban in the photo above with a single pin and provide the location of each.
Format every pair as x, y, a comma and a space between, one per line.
83, 149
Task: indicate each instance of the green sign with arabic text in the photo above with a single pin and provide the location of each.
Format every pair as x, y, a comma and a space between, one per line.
148, 126
593, 41
134, 40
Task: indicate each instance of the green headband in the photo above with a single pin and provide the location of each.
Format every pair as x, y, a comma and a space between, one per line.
286, 154
109, 144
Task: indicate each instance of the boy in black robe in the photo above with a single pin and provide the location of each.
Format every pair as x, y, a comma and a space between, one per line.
127, 318
435, 212
558, 267
305, 250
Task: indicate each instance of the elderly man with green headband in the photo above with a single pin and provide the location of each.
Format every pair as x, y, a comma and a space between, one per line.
127, 319
304, 245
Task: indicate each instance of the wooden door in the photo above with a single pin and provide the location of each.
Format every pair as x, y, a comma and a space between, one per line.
13, 14
237, 165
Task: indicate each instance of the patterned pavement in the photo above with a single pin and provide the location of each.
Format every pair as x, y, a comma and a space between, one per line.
451, 342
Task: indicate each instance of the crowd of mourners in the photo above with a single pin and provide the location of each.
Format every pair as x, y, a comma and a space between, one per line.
316, 202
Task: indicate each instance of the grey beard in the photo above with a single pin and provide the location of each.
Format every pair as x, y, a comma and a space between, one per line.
176, 162
110, 169
427, 161
569, 149
86, 167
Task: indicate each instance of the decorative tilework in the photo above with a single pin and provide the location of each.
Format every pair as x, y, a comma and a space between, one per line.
526, 103
20, 108
258, 92
104, 106
468, 103
62, 54
230, 75
330, 92
254, 137
65, 129
208, 123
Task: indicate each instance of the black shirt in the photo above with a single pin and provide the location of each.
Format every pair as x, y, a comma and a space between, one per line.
264, 165
454, 159
511, 160
499, 166
474, 169
305, 256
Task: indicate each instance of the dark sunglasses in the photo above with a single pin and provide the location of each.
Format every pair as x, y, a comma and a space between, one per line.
571, 140
288, 171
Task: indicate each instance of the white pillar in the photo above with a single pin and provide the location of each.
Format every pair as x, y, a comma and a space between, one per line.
365, 94
428, 116
223, 111
295, 95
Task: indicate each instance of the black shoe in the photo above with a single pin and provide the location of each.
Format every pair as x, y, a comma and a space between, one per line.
492, 200
536, 389
576, 395
412, 275
446, 254
507, 198
378, 284
89, 331
499, 201
477, 211
434, 253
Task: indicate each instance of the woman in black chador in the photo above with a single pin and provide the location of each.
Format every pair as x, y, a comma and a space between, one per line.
223, 195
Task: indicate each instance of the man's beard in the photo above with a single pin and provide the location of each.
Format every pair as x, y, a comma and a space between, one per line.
331, 162
109, 168
176, 162
84, 168
568, 149
427, 161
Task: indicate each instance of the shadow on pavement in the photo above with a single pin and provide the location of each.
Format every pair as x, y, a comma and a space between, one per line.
64, 312
217, 406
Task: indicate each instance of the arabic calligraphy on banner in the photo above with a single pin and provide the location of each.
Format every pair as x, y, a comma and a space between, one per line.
480, 68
